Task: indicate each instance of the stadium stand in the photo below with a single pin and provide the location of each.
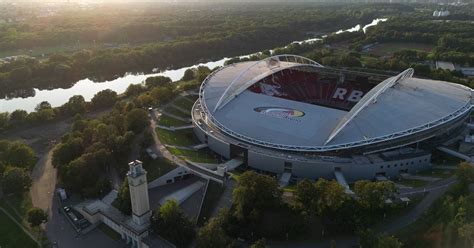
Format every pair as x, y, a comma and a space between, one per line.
303, 85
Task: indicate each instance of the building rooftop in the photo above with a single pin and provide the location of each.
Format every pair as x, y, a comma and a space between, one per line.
410, 105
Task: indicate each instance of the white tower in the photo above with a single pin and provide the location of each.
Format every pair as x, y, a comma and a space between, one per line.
139, 193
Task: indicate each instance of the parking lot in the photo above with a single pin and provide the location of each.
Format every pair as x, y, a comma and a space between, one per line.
62, 232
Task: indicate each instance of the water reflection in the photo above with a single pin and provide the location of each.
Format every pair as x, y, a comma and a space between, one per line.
88, 88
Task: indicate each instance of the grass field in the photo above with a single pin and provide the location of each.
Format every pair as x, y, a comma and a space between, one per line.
18, 206
178, 138
178, 112
156, 168
387, 49
12, 236
192, 97
184, 103
201, 156
170, 122
290, 188
439, 173
413, 183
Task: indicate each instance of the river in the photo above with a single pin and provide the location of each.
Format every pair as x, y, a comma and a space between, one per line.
87, 88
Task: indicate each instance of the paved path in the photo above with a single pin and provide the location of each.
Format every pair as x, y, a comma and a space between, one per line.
180, 147
175, 128
433, 187
416, 212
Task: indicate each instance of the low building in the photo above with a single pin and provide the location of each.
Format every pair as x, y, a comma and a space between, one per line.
134, 229
445, 65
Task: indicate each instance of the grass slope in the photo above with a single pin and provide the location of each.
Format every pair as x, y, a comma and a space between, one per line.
12, 236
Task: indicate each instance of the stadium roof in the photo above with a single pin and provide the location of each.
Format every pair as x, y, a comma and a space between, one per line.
397, 107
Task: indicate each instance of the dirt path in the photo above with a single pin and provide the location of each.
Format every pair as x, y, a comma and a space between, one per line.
44, 183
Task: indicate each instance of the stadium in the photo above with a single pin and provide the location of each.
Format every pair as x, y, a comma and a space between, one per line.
294, 118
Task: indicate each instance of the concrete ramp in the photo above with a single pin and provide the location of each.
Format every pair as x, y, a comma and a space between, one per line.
233, 163
381, 178
342, 181
284, 179
455, 153
200, 146
181, 195
110, 197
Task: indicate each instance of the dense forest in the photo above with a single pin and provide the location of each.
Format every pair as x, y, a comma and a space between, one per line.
449, 40
167, 37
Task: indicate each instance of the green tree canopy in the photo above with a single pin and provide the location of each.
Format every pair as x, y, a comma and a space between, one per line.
123, 198
104, 98
157, 81
372, 195
213, 235
330, 196
188, 75
172, 224
465, 172
37, 216
253, 194
137, 120
16, 180
18, 154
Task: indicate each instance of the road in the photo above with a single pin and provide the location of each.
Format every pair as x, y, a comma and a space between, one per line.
435, 191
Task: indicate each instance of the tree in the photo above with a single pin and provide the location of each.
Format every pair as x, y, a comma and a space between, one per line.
137, 120
305, 196
19, 154
123, 198
75, 105
4, 120
330, 196
172, 224
104, 98
253, 195
18, 117
157, 81
162, 94
467, 231
67, 151
261, 243
82, 175
134, 89
16, 180
386, 241
465, 172
372, 195
213, 235
42, 106
202, 73
188, 75
36, 216
371, 239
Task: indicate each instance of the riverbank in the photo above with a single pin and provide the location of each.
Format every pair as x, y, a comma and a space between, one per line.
88, 88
